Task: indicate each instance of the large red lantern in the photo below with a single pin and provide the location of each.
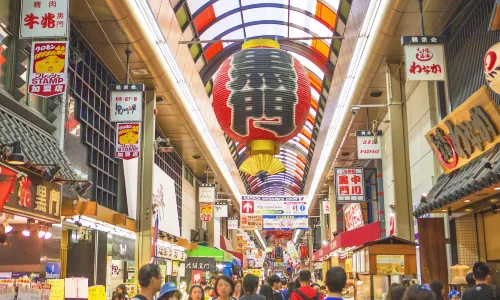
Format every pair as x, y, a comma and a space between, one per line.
261, 98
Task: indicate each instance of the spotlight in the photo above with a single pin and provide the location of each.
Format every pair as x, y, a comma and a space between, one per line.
48, 234
423, 198
494, 208
81, 189
27, 231
41, 232
392, 207
449, 212
50, 173
77, 222
324, 242
13, 156
7, 228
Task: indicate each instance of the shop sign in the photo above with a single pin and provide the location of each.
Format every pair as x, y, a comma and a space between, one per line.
390, 264
253, 258
232, 223
239, 242
169, 253
220, 210
44, 19
200, 263
32, 197
7, 179
368, 145
353, 216
48, 68
52, 270
128, 141
466, 133
424, 57
122, 248
326, 205
285, 222
273, 207
196, 277
251, 222
206, 211
126, 102
97, 292
273, 198
206, 193
349, 184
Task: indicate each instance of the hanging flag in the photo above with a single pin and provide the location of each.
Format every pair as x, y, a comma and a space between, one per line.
206, 211
48, 68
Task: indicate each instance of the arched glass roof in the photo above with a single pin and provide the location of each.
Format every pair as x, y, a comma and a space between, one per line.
304, 28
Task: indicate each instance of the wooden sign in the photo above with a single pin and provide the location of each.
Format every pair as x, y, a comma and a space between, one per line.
471, 129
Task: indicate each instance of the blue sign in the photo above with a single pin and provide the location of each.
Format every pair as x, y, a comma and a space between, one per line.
52, 270
279, 222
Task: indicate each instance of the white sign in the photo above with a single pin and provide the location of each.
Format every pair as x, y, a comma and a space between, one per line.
206, 193
326, 206
48, 68
285, 222
128, 140
425, 62
232, 223
44, 18
165, 199
367, 147
273, 208
273, 198
350, 184
353, 216
126, 102
220, 210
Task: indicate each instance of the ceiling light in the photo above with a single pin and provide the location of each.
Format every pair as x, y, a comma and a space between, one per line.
48, 234
27, 231
497, 189
7, 228
50, 173
14, 155
467, 201
444, 210
41, 232
324, 242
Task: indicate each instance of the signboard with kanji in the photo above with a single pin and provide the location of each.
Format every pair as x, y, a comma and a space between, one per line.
126, 102
258, 207
349, 184
368, 146
128, 140
32, 197
285, 222
44, 19
232, 223
424, 57
353, 216
48, 68
206, 192
251, 222
326, 205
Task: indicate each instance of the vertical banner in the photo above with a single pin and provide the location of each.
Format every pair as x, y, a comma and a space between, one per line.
326, 205
424, 57
44, 19
350, 185
206, 193
48, 68
128, 140
220, 210
196, 277
126, 102
206, 211
353, 215
232, 223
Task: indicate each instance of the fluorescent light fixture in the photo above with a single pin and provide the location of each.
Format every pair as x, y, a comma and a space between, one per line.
365, 41
261, 240
296, 236
149, 24
324, 242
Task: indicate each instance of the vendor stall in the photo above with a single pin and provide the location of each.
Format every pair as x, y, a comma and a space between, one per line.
380, 263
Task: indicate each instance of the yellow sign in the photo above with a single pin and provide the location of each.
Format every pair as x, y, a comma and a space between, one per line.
256, 272
97, 292
56, 289
390, 264
348, 265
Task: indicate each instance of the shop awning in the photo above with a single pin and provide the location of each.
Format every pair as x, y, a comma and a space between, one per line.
226, 245
217, 254
352, 238
471, 183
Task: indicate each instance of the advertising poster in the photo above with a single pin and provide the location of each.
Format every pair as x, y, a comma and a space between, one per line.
206, 211
47, 19
258, 207
251, 222
128, 137
97, 292
52, 270
285, 222
48, 68
390, 264
353, 216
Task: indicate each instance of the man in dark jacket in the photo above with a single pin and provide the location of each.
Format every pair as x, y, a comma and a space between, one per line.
305, 291
482, 290
250, 285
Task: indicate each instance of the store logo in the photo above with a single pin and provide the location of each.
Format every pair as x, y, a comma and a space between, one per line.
123, 249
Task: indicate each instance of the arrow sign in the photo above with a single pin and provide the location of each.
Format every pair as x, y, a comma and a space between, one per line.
247, 207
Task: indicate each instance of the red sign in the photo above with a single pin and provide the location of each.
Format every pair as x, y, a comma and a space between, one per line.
196, 277
48, 68
127, 140
7, 180
349, 184
392, 226
206, 211
247, 207
353, 216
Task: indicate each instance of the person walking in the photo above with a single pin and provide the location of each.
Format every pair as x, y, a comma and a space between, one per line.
275, 282
196, 293
305, 292
437, 288
169, 291
396, 292
237, 289
224, 288
150, 281
266, 291
335, 281
482, 289
121, 288
250, 285
419, 292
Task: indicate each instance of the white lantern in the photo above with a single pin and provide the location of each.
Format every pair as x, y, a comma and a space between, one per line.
491, 67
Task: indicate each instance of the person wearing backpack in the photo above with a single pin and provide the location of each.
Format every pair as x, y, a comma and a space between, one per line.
305, 292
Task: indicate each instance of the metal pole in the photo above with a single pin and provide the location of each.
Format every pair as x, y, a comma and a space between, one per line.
127, 75
422, 27
278, 39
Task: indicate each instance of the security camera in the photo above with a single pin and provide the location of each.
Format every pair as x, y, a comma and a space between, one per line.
354, 109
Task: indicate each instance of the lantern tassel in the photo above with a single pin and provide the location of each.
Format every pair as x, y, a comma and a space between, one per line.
262, 162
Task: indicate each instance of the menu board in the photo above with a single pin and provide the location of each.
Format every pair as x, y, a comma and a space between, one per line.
57, 290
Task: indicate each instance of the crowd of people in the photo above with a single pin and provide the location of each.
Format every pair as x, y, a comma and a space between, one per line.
275, 288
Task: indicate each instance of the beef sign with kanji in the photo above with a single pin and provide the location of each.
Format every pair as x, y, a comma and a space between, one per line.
349, 185
44, 18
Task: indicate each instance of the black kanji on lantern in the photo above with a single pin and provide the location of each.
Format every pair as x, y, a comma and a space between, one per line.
263, 84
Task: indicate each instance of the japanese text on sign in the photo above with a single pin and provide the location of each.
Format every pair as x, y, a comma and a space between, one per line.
251, 222
353, 216
349, 184
425, 62
48, 68
368, 145
127, 140
126, 102
206, 193
44, 18
206, 211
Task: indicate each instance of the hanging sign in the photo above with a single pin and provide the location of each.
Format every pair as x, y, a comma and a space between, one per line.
353, 216
48, 68
232, 223
196, 277
44, 19
128, 141
285, 222
424, 57
220, 210
126, 102
349, 184
368, 145
273, 207
326, 205
273, 198
206, 211
251, 222
206, 193
9, 177
169, 253
390, 264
